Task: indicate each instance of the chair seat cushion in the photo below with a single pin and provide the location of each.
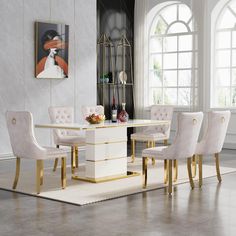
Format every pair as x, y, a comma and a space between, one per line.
156, 152
149, 135
52, 152
71, 140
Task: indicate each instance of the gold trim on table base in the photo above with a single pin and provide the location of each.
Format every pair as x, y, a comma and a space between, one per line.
106, 179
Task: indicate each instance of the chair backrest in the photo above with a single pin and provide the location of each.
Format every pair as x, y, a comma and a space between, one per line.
89, 110
61, 115
22, 138
184, 145
214, 136
162, 112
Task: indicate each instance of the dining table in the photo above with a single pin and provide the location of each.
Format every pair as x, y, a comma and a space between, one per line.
105, 147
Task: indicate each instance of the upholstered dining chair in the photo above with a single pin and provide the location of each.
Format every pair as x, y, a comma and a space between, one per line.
71, 138
24, 145
183, 147
89, 110
151, 135
213, 140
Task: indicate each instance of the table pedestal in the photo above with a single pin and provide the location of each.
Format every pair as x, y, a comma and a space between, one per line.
106, 155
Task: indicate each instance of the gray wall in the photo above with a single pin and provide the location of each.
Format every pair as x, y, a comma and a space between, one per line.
19, 90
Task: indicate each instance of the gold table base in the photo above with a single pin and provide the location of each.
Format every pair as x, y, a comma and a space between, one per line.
106, 179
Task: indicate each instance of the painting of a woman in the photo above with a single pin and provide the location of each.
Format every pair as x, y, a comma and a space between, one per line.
51, 50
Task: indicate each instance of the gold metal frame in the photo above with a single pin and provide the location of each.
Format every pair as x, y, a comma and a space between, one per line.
106, 179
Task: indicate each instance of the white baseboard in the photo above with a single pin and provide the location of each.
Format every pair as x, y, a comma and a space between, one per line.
229, 146
6, 156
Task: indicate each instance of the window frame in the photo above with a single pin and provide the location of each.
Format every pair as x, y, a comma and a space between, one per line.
193, 69
213, 103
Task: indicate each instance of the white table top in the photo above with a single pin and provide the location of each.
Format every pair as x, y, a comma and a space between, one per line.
105, 124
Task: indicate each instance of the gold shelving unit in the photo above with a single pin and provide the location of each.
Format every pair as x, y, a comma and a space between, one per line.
124, 64
105, 62
114, 60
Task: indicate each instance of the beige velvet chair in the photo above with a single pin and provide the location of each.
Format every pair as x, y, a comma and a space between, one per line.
153, 134
24, 145
71, 138
183, 147
213, 140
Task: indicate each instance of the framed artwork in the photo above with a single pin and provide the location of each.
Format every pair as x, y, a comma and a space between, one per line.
51, 50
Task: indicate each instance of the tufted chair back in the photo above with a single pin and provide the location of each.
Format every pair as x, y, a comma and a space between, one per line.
86, 111
61, 115
21, 132
159, 112
184, 145
215, 133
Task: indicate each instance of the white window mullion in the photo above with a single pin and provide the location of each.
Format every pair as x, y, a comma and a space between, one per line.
162, 74
226, 45
177, 69
231, 64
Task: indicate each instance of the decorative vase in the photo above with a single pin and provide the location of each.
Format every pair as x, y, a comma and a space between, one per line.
123, 115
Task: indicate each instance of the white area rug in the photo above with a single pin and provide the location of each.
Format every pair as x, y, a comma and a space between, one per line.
81, 193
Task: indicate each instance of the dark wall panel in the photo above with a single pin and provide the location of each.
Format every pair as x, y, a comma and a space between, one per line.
116, 18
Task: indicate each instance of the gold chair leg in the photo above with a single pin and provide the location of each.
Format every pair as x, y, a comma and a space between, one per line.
148, 144
218, 167
194, 165
165, 171
165, 142
133, 150
189, 161
175, 170
145, 159
55, 162
76, 157
72, 160
153, 159
41, 173
63, 172
39, 166
17, 173
200, 170
170, 177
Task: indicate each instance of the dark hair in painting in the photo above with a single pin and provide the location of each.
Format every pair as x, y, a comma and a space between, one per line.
49, 35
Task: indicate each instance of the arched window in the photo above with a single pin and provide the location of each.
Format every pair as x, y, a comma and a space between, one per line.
224, 57
173, 56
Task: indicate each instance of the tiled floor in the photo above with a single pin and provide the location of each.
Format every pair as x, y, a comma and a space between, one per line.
207, 211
